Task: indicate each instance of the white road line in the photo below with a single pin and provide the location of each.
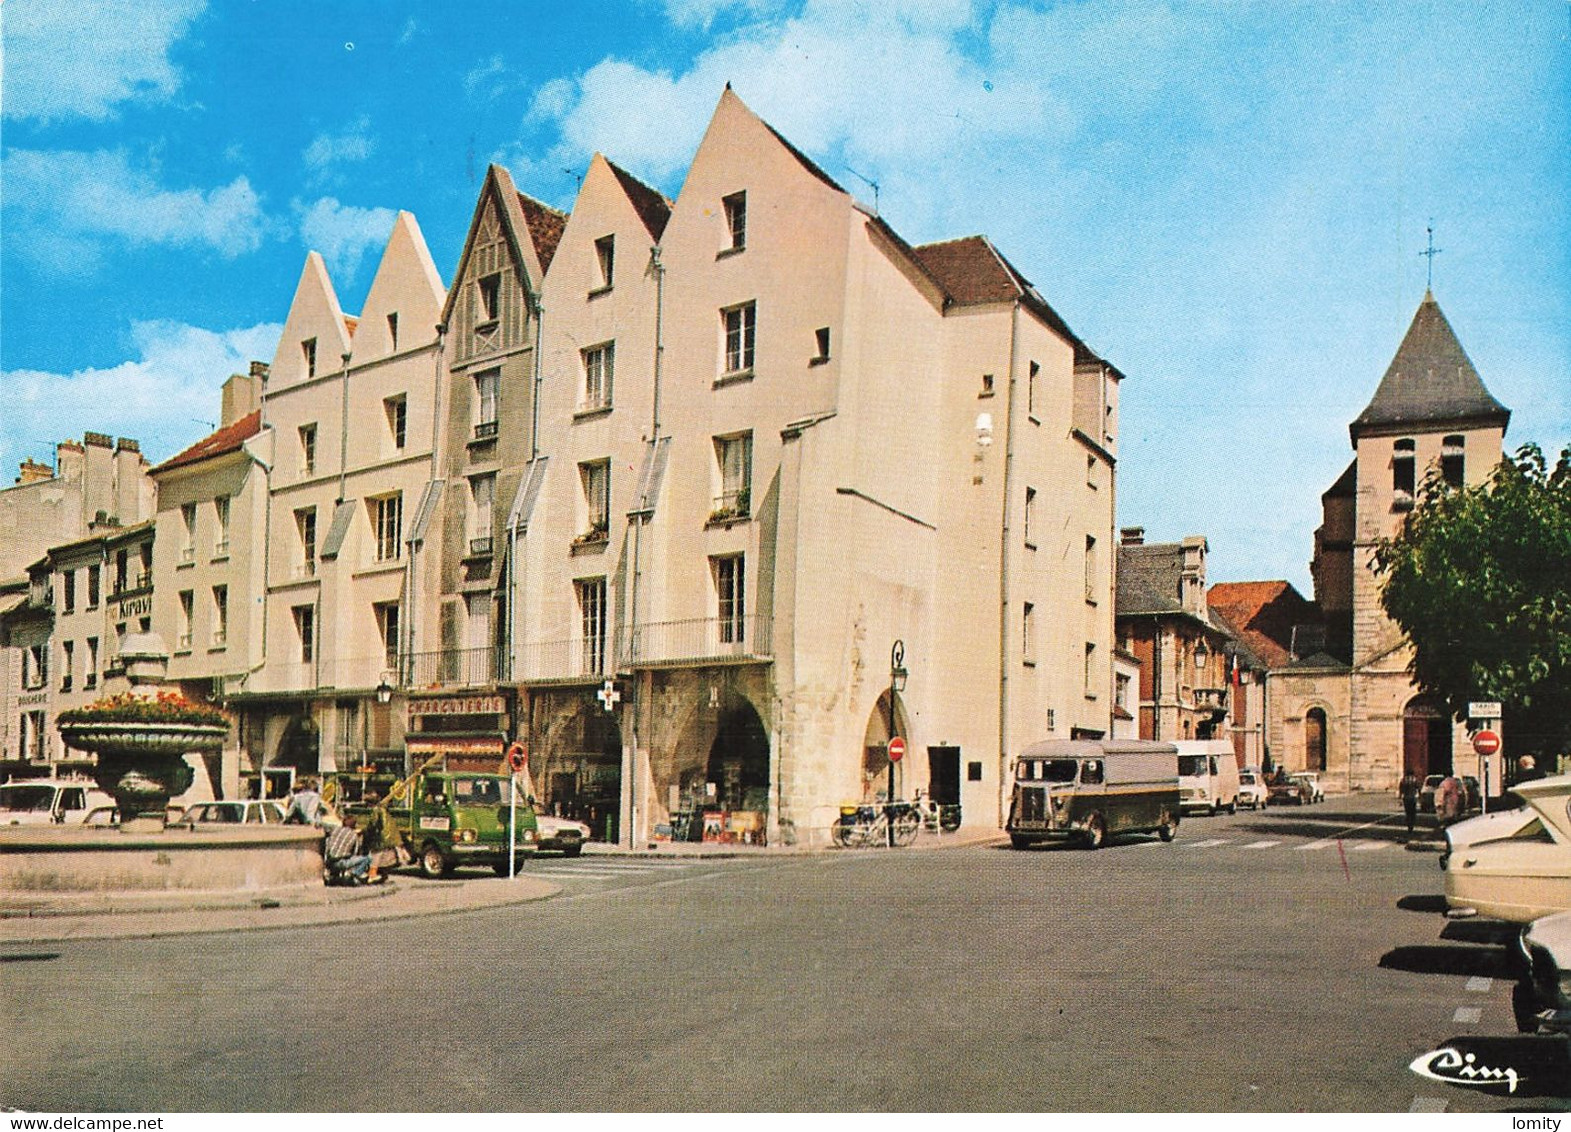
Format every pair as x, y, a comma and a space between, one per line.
1209, 843
1427, 1104
1480, 983
1367, 846
1262, 845
1317, 845
630, 866
1468, 1014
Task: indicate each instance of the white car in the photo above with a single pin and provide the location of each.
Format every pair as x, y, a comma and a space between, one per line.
1524, 876
1542, 1000
1251, 789
562, 834
207, 815
1493, 826
44, 801
1311, 779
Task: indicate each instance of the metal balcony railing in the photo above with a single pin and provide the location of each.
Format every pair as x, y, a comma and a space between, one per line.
562, 660
485, 430
452, 668
695, 641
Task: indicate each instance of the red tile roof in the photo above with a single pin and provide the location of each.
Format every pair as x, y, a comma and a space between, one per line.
225, 440
973, 272
1263, 614
545, 227
652, 207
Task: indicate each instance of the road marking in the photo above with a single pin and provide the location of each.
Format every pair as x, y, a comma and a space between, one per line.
1262, 845
1468, 1014
1427, 1104
1367, 846
630, 866
1317, 845
1209, 843
557, 874
1480, 983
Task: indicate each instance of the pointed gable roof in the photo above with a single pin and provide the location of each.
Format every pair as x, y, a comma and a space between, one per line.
314, 313
652, 207
407, 284
228, 439
532, 230
1430, 381
545, 225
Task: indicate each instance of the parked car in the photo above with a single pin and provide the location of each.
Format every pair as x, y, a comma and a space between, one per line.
1523, 877
1288, 791
206, 815
104, 816
1309, 780
44, 801
564, 835
1426, 793
1207, 776
1542, 1000
1496, 825
1251, 789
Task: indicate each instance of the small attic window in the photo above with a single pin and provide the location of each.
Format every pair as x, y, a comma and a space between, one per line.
821, 336
987, 385
490, 287
735, 207
392, 330
1403, 469
1453, 459
308, 353
605, 262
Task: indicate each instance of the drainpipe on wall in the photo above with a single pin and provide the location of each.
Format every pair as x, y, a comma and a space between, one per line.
1003, 572
343, 431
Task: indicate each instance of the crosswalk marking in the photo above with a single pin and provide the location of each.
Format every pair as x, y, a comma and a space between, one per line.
1262, 845
1317, 845
1367, 846
1210, 842
1469, 1015
1480, 983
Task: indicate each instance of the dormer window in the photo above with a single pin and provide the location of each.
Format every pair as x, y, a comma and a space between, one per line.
735, 207
605, 263
1453, 460
1403, 468
490, 287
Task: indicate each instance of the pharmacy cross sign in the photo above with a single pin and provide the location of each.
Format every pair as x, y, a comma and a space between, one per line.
608, 696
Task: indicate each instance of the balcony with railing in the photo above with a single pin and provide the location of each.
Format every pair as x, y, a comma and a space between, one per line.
698, 640
356, 673
452, 668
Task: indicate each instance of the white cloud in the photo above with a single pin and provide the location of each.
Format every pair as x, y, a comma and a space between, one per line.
353, 143
490, 80
701, 13
71, 60
63, 205
165, 396
343, 233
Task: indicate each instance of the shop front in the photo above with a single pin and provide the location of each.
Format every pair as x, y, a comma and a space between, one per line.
468, 733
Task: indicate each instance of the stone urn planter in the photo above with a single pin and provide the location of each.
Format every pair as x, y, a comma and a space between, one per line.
141, 737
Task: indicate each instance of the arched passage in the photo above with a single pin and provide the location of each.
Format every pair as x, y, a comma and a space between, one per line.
887, 719
1426, 737
1315, 739
739, 768
579, 773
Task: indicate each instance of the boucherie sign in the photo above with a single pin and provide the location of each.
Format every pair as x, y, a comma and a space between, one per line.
458, 705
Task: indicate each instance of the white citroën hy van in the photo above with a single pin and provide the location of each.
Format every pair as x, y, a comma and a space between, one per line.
1207, 776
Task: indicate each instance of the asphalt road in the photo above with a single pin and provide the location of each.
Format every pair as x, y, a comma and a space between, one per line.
1292, 960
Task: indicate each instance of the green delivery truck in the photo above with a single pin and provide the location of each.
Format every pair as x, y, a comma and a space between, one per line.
447, 818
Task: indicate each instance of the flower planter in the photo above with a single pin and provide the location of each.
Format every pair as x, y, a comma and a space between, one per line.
142, 765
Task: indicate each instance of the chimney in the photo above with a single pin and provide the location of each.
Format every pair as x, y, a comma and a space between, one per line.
98, 487
130, 470
241, 395
31, 471
1132, 536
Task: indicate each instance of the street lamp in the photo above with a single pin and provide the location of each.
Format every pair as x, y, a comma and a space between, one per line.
384, 692
897, 684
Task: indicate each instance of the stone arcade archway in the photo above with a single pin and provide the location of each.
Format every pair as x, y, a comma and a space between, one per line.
883, 723
577, 770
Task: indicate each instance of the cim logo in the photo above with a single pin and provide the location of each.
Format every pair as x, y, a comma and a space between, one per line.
1457, 1068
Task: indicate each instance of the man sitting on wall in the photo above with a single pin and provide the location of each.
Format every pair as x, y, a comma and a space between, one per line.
343, 856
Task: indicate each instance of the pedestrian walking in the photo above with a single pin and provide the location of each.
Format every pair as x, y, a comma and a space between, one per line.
1449, 799
1410, 788
305, 804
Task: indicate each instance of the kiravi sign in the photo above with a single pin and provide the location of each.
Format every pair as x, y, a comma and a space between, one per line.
140, 606
458, 705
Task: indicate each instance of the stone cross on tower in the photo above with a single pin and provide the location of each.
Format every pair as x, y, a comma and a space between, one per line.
1429, 253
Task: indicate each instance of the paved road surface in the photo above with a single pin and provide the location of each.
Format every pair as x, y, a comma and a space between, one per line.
1274, 962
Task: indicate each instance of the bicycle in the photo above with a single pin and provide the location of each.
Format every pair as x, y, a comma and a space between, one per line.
867, 826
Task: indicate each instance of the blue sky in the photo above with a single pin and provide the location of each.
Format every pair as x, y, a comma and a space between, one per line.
1228, 201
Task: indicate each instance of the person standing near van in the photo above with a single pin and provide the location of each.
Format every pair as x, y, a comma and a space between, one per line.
1410, 788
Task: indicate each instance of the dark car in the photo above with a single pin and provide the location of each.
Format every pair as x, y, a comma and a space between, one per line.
1291, 791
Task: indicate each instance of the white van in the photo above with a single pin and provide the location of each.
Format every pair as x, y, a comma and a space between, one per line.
44, 801
1207, 776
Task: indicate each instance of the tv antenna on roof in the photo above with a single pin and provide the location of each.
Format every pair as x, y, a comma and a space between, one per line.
1429, 253
870, 183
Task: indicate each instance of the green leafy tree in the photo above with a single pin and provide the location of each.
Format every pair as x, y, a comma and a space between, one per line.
1480, 581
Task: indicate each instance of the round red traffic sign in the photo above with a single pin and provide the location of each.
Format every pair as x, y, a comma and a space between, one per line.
897, 749
1486, 742
515, 756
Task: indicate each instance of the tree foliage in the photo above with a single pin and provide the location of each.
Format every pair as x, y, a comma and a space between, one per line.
1480, 581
